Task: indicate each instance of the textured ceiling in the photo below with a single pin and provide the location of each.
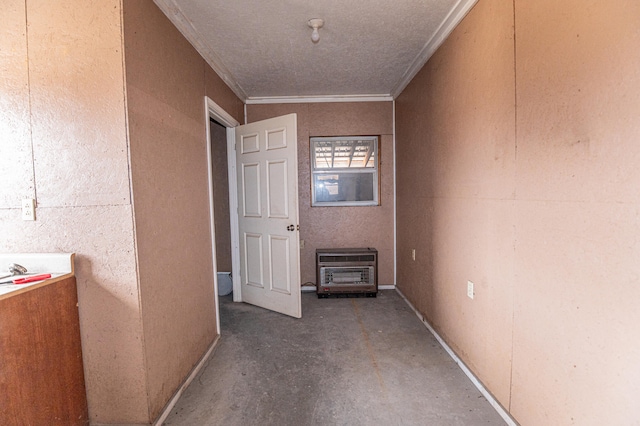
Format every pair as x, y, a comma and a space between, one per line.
263, 48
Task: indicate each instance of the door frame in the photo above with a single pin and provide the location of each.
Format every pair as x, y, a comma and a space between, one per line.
217, 113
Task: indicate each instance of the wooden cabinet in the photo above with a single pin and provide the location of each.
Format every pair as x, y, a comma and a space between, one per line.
41, 373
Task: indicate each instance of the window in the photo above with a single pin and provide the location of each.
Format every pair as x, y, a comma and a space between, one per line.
344, 171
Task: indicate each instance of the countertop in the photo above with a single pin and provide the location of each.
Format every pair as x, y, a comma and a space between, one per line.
59, 265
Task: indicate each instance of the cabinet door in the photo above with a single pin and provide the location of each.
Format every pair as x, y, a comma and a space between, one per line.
41, 373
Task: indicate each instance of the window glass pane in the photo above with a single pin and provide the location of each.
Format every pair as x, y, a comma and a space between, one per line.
344, 170
350, 153
344, 187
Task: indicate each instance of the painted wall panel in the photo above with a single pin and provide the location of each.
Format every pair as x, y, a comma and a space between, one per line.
63, 88
166, 85
578, 101
350, 226
102, 237
221, 93
75, 69
455, 186
16, 155
77, 121
577, 222
575, 332
517, 170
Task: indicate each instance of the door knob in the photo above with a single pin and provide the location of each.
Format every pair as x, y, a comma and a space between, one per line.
291, 228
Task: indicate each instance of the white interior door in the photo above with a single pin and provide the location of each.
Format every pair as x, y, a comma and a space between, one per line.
267, 170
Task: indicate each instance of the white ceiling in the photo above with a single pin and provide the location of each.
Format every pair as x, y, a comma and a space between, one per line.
367, 49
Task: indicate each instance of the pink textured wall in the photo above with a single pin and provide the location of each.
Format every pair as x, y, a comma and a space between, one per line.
16, 165
349, 226
166, 84
517, 169
216, 89
63, 139
577, 217
455, 188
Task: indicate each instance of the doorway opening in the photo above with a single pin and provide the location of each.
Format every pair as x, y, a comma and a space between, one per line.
220, 128
264, 230
222, 216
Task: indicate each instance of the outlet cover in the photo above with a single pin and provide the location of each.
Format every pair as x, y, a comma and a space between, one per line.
413, 254
28, 209
470, 289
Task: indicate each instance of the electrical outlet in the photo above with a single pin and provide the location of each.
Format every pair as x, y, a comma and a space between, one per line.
413, 254
470, 289
28, 209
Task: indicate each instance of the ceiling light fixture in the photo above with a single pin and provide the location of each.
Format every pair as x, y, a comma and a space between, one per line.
315, 24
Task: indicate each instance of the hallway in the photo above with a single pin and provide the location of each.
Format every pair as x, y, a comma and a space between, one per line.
348, 361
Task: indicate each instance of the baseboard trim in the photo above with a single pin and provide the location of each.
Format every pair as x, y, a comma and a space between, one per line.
387, 287
167, 409
476, 382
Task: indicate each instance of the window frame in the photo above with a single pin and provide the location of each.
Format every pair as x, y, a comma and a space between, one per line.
374, 171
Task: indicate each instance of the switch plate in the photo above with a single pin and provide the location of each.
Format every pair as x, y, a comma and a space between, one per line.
301, 244
470, 289
28, 209
413, 254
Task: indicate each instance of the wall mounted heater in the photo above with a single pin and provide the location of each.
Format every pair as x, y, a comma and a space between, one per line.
347, 271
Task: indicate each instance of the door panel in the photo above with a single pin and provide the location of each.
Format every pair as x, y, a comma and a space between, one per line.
279, 254
268, 218
276, 138
251, 199
249, 143
277, 187
253, 257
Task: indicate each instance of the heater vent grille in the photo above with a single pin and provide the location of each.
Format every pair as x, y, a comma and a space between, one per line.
341, 276
347, 271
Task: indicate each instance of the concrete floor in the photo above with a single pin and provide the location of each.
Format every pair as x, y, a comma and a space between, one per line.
348, 361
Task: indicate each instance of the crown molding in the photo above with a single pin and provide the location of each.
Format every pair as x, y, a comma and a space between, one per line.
171, 9
177, 17
317, 99
455, 16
